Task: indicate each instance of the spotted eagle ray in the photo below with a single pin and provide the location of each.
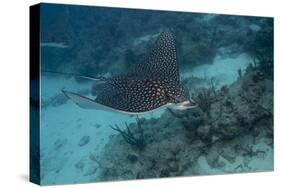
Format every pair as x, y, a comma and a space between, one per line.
147, 86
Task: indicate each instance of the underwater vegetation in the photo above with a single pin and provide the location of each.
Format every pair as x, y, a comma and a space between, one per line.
136, 139
205, 98
227, 136
230, 130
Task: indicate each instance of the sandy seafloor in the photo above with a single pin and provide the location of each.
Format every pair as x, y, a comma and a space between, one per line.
63, 127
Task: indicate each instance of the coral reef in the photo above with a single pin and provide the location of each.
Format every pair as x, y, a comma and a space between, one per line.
226, 138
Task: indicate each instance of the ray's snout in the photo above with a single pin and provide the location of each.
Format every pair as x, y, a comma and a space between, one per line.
187, 104
190, 103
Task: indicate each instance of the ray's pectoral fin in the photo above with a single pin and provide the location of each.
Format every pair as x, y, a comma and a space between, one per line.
84, 102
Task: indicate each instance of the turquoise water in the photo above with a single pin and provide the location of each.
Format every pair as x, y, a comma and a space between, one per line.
65, 125
79, 145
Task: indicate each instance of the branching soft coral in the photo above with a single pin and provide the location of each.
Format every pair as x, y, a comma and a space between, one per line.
134, 139
205, 98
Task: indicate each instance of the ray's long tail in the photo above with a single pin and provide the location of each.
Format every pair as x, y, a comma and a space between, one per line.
97, 78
